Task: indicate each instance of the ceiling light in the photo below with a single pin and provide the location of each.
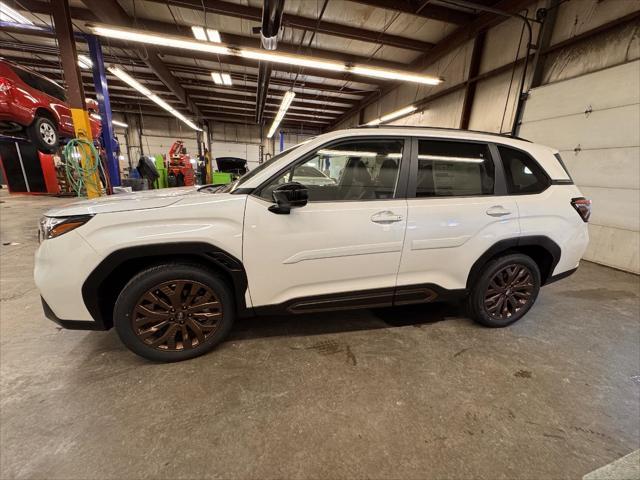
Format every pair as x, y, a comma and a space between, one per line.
161, 40
210, 34
297, 60
84, 62
198, 32
217, 78
284, 105
214, 35
119, 124
226, 78
390, 116
201, 45
8, 14
126, 78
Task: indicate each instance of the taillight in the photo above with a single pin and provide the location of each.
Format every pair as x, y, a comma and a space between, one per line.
583, 207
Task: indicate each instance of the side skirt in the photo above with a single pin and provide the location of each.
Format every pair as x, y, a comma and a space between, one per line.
375, 298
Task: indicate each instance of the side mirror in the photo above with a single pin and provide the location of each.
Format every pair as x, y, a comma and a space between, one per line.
288, 196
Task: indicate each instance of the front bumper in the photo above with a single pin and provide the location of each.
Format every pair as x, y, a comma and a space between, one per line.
70, 324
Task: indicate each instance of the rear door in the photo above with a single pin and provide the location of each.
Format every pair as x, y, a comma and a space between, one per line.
343, 248
458, 207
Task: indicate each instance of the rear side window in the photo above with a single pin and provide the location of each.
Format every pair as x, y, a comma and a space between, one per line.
39, 83
524, 175
454, 169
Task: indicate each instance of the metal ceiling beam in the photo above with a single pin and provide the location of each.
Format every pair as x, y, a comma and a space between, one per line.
110, 11
448, 44
470, 90
301, 23
422, 9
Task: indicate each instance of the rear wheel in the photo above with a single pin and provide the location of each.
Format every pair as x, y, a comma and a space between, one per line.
173, 312
505, 291
44, 134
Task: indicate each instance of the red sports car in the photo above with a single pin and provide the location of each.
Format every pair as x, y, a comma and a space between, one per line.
30, 101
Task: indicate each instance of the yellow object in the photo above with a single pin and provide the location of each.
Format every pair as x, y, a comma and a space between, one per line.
82, 127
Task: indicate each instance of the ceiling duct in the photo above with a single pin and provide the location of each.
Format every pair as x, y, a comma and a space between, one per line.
271, 22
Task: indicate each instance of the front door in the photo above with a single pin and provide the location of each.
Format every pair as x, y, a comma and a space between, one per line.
342, 249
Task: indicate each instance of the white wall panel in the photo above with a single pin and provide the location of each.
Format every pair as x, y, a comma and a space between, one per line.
594, 120
444, 112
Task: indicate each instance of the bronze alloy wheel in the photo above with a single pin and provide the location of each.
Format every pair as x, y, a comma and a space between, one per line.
510, 290
177, 315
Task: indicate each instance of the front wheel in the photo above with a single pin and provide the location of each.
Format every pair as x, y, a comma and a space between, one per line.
505, 291
173, 312
44, 134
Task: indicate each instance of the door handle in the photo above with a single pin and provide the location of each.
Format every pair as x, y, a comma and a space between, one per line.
386, 216
498, 211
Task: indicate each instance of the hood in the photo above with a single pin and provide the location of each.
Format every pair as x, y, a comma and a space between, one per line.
124, 202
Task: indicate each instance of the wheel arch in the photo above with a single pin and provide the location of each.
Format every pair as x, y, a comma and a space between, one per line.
44, 112
102, 287
543, 250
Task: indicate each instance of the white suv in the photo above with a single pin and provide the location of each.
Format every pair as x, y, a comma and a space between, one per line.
407, 215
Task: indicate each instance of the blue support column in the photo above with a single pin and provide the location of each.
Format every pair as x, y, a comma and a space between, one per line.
102, 92
281, 140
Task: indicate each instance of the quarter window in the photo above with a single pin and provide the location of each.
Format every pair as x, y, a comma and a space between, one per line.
350, 170
454, 169
524, 175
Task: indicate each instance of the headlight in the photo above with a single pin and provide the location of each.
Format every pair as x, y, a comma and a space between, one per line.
52, 227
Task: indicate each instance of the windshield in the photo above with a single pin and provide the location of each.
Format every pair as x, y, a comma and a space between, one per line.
233, 185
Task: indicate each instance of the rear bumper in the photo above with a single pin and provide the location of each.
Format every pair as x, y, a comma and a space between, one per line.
70, 324
560, 276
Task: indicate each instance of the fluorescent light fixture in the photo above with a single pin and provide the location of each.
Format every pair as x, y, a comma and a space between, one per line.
84, 62
346, 153
397, 75
390, 116
217, 78
95, 116
221, 78
8, 14
296, 60
210, 34
284, 106
198, 32
214, 35
445, 158
201, 45
126, 78
160, 40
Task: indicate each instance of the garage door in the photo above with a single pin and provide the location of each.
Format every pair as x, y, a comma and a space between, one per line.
594, 120
248, 151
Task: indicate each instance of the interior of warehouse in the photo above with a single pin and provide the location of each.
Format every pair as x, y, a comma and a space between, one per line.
191, 135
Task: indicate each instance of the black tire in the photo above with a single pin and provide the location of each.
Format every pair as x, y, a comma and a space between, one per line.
44, 134
182, 342
518, 294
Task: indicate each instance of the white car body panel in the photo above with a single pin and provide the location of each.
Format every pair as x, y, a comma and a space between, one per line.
325, 247
445, 236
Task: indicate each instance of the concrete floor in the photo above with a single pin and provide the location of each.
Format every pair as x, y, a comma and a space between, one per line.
404, 394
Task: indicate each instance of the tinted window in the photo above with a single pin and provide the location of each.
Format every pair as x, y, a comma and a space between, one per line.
41, 83
523, 173
350, 170
454, 169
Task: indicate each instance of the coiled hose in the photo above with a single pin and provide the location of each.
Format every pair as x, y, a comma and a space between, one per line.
79, 152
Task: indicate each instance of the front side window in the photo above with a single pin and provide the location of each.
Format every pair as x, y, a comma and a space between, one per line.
349, 170
454, 169
524, 175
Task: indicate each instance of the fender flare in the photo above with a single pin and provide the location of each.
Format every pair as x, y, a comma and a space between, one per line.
209, 254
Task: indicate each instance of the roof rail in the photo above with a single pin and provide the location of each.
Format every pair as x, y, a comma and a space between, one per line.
507, 135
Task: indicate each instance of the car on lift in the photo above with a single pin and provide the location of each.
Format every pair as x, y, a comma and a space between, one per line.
412, 215
36, 105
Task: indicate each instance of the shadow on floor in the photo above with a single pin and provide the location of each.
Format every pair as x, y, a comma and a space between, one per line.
343, 321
